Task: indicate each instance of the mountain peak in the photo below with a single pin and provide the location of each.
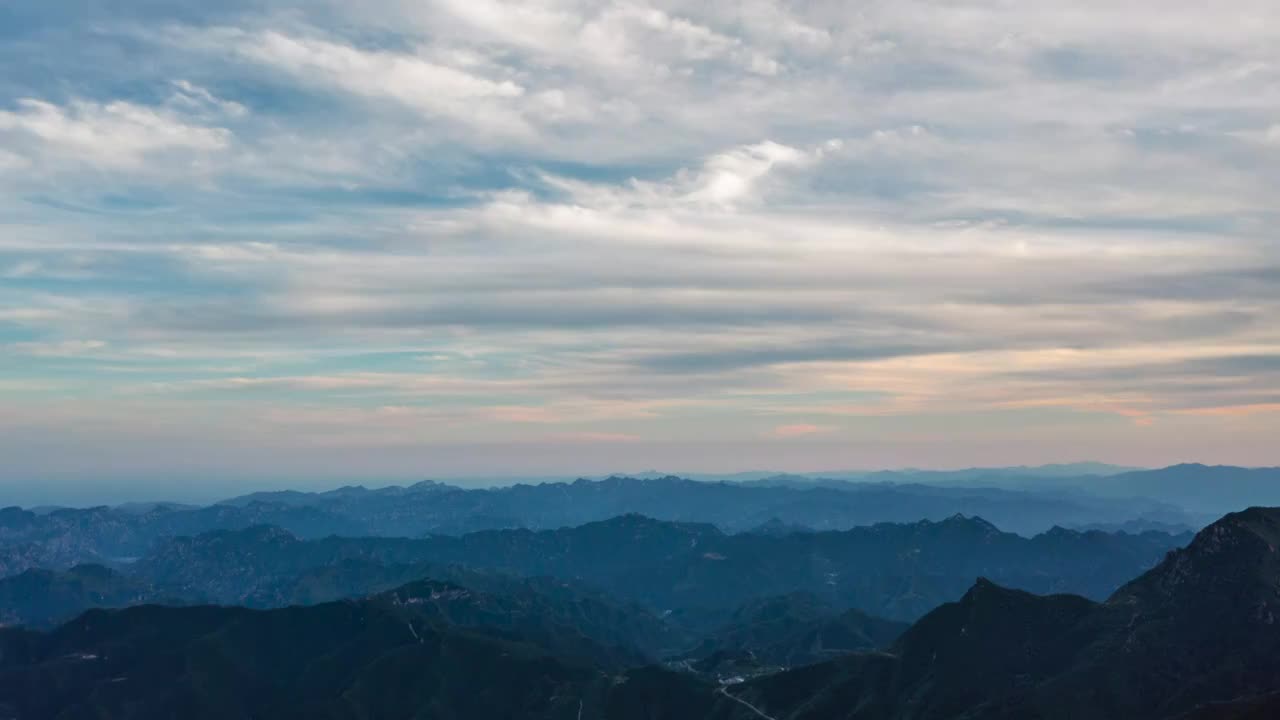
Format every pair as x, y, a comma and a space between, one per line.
1237, 556
984, 591
983, 584
1255, 531
1263, 522
967, 522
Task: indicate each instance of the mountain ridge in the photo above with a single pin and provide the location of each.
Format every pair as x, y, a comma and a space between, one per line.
1192, 634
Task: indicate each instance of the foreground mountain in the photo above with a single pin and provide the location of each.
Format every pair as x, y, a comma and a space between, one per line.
422, 651
1197, 636
897, 571
42, 598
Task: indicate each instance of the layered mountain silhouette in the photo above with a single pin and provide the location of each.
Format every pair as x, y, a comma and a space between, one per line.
63, 538
1194, 637
898, 571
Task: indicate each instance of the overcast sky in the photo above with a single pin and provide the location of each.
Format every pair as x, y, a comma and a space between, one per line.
253, 240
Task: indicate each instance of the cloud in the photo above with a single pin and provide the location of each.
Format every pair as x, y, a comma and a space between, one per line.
729, 177
117, 134
64, 348
597, 437
1015, 225
799, 430
710, 361
429, 87
198, 100
10, 161
22, 269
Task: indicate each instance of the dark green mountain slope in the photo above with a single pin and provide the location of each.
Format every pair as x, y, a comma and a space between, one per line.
429, 650
1196, 636
796, 629
44, 598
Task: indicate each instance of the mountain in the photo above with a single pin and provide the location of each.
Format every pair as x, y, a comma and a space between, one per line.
1196, 636
791, 630
673, 582
250, 568
1136, 527
897, 571
1210, 489
1193, 637
1196, 489
778, 528
21, 557
44, 598
734, 507
63, 537
424, 650
910, 476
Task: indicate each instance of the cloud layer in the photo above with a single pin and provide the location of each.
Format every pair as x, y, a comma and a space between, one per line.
544, 236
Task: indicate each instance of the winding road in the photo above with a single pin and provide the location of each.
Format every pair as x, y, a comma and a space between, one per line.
725, 692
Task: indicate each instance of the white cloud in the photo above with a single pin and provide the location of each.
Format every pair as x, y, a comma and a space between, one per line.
62, 348
723, 181
429, 87
112, 135
195, 99
572, 203
10, 161
729, 177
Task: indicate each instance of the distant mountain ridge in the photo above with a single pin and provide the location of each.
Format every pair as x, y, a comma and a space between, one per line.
945, 477
898, 571
1178, 497
890, 570
735, 507
62, 538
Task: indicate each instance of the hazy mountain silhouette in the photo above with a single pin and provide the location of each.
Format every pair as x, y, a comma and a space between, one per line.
61, 538
896, 571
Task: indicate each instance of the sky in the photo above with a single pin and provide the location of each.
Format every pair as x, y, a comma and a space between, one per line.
255, 240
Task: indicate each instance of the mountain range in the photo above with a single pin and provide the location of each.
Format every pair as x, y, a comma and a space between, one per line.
692, 574
1196, 636
59, 538
892, 570
658, 597
1193, 637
